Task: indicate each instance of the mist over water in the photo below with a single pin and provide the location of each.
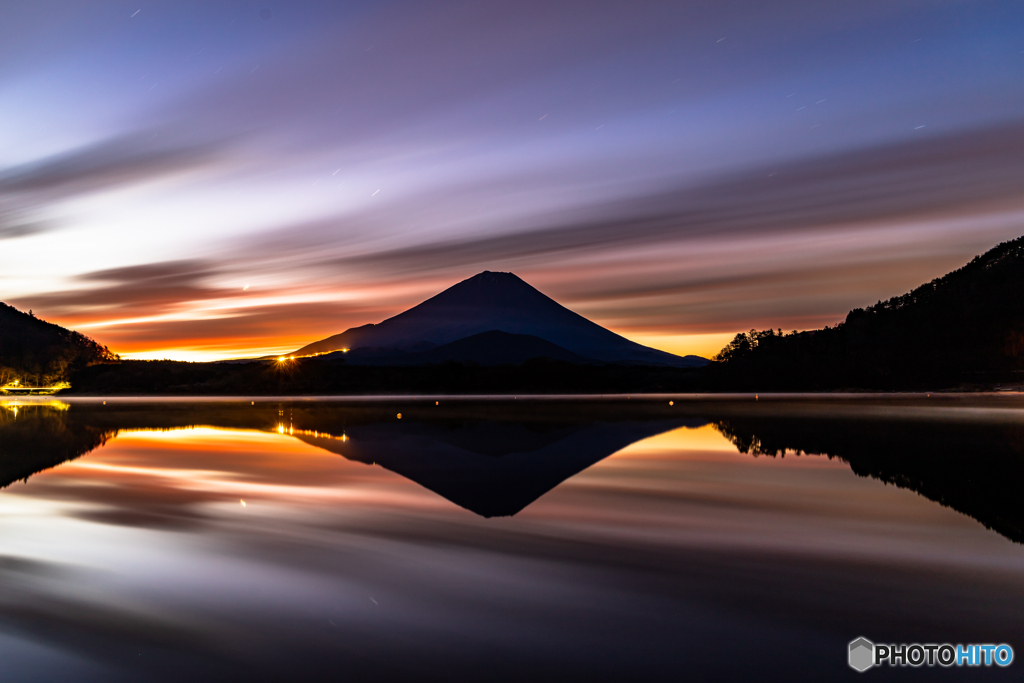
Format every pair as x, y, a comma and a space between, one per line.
616, 540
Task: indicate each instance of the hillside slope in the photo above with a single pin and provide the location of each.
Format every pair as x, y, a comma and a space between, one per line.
964, 328
33, 351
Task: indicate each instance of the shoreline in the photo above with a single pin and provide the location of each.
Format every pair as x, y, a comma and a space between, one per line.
688, 397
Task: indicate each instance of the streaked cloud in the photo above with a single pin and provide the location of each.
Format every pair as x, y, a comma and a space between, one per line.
347, 161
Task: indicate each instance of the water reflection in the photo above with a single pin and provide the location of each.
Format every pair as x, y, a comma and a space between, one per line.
598, 540
495, 458
35, 436
973, 466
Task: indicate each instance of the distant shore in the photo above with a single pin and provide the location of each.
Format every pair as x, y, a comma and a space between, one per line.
682, 397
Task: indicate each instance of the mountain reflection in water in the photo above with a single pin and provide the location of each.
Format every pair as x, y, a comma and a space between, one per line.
502, 540
495, 458
491, 458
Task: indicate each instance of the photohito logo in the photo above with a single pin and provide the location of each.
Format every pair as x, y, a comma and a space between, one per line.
863, 654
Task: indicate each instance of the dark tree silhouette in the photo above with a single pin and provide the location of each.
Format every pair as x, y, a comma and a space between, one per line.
963, 329
33, 351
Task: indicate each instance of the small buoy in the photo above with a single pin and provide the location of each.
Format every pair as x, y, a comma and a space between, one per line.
437, 403
399, 416
253, 403
671, 403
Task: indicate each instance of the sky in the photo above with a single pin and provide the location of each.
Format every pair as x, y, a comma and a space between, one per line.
204, 180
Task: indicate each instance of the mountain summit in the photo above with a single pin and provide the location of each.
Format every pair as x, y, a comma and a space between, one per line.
496, 302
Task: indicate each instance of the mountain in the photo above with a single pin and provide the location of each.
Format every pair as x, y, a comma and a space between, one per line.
965, 328
35, 352
486, 348
496, 302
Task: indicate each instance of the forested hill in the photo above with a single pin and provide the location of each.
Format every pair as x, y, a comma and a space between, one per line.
35, 352
963, 329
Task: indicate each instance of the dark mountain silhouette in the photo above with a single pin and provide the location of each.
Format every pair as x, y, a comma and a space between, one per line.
965, 328
486, 348
39, 353
496, 302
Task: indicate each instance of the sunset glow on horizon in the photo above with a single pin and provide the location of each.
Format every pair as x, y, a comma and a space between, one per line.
225, 180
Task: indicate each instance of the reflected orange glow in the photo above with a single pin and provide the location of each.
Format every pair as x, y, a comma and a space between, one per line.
210, 465
677, 441
699, 443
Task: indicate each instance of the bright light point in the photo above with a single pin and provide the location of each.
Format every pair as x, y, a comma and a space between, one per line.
246, 288
242, 502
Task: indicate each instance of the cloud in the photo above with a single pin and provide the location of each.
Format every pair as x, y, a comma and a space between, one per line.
794, 244
114, 161
12, 228
106, 165
960, 173
432, 67
179, 304
161, 274
142, 289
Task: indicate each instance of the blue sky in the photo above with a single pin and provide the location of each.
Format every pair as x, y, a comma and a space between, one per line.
206, 179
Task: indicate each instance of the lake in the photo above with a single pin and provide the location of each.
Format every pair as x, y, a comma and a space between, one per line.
648, 538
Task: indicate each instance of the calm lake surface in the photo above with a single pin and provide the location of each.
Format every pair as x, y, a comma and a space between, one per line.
505, 539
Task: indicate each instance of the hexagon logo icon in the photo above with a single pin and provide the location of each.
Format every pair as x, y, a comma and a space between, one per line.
862, 654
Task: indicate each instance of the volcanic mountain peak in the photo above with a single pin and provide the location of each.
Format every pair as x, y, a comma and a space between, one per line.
493, 301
